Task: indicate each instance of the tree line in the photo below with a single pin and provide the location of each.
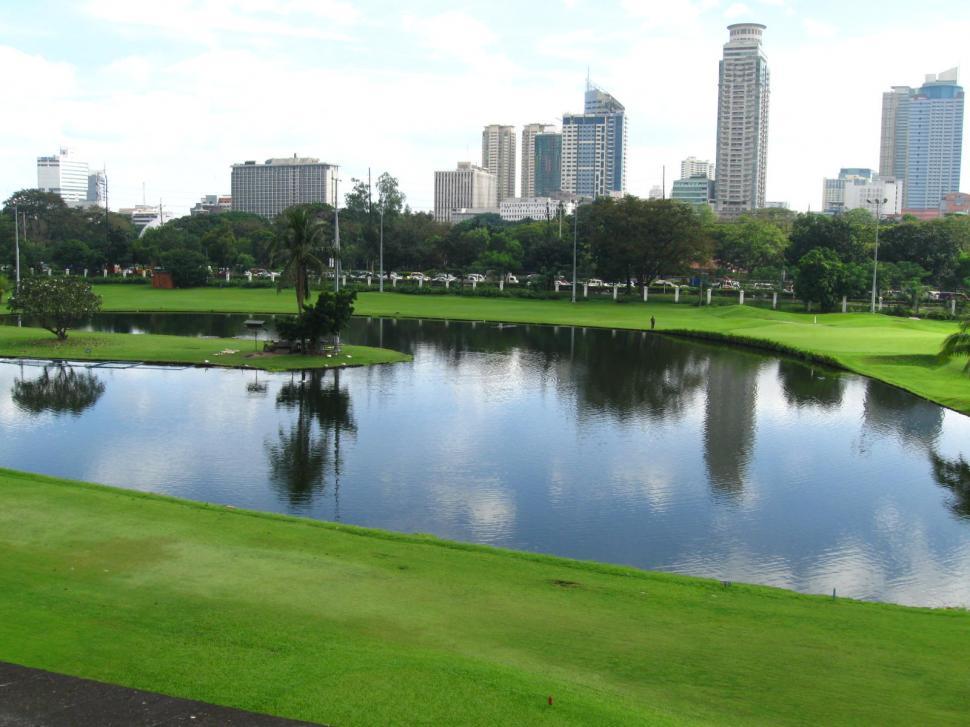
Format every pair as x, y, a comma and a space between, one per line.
627, 240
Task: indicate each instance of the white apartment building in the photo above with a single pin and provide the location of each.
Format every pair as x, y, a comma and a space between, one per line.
498, 157
146, 216
64, 175
694, 167
854, 192
212, 204
742, 122
268, 189
516, 209
466, 187
528, 165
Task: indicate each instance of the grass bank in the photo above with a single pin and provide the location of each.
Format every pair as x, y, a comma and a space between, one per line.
349, 626
899, 351
227, 352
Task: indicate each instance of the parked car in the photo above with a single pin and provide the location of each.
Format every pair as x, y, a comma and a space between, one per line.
444, 278
594, 283
417, 276
511, 279
475, 278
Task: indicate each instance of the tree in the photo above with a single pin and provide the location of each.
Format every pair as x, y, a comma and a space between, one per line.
187, 267
843, 234
818, 277
933, 245
67, 391
329, 316
301, 235
751, 243
220, 245
72, 254
958, 344
57, 304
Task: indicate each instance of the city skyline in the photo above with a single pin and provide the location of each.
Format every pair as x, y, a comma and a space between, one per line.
173, 99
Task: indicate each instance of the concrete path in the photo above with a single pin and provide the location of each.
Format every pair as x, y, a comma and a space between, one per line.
35, 698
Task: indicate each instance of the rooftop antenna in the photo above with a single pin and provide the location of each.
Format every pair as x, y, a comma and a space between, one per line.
143, 202
589, 83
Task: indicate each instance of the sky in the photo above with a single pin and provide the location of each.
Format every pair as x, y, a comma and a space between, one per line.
167, 96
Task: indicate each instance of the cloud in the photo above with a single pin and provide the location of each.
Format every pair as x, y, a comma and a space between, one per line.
737, 10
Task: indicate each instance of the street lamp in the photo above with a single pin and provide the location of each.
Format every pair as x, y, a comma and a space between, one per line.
16, 235
875, 255
336, 235
380, 280
575, 244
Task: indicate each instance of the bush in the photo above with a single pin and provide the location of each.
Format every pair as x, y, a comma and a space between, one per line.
186, 266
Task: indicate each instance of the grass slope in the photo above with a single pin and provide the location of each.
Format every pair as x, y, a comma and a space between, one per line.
79, 346
338, 624
896, 350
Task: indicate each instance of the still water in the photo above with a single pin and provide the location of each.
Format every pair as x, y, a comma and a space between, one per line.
613, 446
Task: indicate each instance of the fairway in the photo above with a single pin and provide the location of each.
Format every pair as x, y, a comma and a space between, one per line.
899, 351
348, 626
37, 343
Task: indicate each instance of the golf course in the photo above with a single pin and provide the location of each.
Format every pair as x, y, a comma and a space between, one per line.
899, 351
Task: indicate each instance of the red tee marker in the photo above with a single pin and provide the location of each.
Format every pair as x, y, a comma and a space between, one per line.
550, 701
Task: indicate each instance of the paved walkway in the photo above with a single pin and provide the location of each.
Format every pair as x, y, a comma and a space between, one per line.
35, 698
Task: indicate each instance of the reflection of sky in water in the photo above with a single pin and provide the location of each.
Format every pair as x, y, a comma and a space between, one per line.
617, 447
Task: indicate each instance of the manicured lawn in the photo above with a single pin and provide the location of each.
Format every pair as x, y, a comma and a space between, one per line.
342, 625
80, 346
896, 350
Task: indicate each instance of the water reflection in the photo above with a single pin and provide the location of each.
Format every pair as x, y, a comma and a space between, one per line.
808, 386
729, 419
300, 457
954, 475
59, 390
912, 421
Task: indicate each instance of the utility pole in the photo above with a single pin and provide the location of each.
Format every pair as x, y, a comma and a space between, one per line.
575, 244
336, 235
875, 254
16, 236
383, 202
663, 182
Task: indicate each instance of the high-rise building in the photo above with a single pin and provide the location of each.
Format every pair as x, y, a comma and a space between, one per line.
692, 167
97, 189
594, 147
742, 122
498, 157
922, 139
466, 187
517, 209
697, 190
268, 189
64, 175
529, 133
860, 188
548, 164
656, 192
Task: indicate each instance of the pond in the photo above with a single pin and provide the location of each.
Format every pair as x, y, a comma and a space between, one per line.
614, 446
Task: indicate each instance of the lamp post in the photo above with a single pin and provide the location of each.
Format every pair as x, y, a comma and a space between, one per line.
875, 255
380, 280
575, 244
336, 236
16, 235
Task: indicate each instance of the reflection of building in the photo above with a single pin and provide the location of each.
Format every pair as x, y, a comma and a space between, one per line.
268, 189
594, 147
742, 122
212, 204
922, 139
534, 208
498, 157
467, 187
729, 423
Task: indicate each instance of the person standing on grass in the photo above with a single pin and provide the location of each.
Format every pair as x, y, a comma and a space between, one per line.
653, 323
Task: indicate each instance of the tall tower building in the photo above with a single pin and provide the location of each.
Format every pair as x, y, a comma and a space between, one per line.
594, 147
742, 122
922, 139
498, 157
529, 133
694, 167
268, 189
64, 175
548, 164
466, 187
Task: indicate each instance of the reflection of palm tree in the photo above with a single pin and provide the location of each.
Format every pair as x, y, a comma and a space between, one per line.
954, 475
66, 391
805, 386
914, 421
299, 459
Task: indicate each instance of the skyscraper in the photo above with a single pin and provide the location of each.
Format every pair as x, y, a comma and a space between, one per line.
742, 122
529, 133
693, 167
466, 187
594, 147
64, 175
268, 189
922, 139
548, 164
498, 157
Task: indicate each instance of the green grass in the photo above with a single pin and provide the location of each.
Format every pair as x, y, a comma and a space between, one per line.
349, 626
80, 346
899, 351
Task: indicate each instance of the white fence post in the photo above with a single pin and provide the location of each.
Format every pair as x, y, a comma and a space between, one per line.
741, 298
475, 284
585, 290
953, 307
557, 285
393, 282
368, 281
709, 291
646, 293
774, 300
615, 288
501, 284
676, 294
447, 284
880, 303
845, 304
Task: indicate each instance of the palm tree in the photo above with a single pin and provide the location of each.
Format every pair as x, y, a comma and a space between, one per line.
300, 237
958, 344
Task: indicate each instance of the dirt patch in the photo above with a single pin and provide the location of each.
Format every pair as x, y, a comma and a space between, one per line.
565, 584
